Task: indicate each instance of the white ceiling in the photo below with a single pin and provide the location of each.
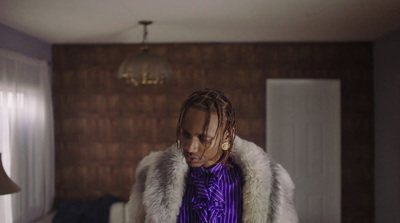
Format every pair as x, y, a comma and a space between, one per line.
115, 21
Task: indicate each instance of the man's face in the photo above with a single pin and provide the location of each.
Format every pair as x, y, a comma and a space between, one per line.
200, 149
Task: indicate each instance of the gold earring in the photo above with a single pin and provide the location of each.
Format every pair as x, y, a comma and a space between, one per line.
225, 146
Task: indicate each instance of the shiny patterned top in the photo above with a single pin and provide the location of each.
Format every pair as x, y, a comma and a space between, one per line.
213, 195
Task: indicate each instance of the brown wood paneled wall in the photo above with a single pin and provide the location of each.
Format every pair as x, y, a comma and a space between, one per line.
104, 127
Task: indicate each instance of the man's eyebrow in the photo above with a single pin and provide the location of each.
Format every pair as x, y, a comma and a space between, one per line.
184, 130
208, 136
199, 135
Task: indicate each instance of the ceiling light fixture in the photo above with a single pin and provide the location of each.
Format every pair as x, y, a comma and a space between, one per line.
145, 68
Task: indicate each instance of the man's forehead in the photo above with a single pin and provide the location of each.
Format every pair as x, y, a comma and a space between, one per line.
196, 120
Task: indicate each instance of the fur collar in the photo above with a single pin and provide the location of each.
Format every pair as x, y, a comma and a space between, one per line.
165, 182
255, 166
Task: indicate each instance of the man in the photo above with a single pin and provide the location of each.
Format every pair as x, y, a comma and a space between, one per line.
210, 174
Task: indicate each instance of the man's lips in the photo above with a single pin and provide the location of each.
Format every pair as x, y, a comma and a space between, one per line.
191, 158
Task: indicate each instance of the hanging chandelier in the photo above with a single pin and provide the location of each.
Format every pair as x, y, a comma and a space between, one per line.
145, 68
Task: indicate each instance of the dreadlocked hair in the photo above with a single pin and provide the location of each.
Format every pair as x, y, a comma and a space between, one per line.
210, 100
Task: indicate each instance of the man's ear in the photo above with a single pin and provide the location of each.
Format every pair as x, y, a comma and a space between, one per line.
227, 135
231, 133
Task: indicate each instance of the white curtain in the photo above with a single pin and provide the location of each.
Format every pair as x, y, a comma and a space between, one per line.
26, 136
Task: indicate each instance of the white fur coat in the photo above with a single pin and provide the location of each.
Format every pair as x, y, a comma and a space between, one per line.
160, 184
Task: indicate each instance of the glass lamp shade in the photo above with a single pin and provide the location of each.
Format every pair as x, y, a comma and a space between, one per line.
144, 69
7, 186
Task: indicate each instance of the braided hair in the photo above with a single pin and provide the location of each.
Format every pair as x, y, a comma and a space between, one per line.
211, 101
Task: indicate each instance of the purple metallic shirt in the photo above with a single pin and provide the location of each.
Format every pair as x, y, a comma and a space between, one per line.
213, 195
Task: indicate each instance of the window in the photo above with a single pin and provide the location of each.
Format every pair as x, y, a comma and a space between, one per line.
26, 136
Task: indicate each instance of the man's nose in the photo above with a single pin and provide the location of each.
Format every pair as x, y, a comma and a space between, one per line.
192, 146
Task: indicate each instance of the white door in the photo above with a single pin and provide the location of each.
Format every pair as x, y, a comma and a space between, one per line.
303, 134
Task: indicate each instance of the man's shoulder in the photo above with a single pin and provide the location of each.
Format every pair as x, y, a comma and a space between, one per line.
247, 148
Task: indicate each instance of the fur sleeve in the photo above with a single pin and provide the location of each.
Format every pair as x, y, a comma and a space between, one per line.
135, 208
283, 197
